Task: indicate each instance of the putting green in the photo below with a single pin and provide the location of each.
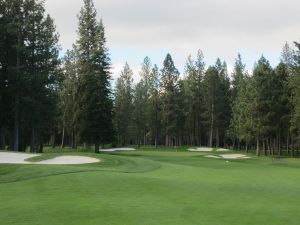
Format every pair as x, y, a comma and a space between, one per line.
151, 188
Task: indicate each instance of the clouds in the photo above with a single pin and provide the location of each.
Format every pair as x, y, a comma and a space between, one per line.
219, 27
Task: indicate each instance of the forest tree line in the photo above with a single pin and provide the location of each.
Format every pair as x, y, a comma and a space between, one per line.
65, 101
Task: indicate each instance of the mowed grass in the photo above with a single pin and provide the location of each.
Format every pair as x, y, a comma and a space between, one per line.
152, 188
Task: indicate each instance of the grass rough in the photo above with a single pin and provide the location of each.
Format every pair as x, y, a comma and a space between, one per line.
151, 187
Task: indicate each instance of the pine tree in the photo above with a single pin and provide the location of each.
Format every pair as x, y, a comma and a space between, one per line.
68, 107
95, 103
170, 78
217, 102
282, 105
237, 76
295, 95
124, 105
238, 99
210, 88
41, 72
154, 110
194, 70
141, 102
3, 78
139, 112
30, 62
263, 76
14, 53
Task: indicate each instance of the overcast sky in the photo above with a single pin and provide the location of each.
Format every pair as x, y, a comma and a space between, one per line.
220, 28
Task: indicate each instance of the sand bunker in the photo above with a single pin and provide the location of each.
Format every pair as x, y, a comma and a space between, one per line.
19, 158
234, 156
228, 156
222, 150
15, 158
212, 156
69, 160
117, 149
200, 149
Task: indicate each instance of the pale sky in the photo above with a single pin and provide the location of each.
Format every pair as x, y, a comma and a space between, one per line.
220, 28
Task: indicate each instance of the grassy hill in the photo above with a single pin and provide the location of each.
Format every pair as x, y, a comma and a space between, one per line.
151, 188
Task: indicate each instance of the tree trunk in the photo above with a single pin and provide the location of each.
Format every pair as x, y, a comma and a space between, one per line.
217, 139
246, 147
293, 145
17, 97
41, 149
233, 143
97, 148
211, 126
73, 139
268, 146
33, 141
2, 138
257, 147
63, 138
264, 147
279, 145
16, 124
53, 139
288, 144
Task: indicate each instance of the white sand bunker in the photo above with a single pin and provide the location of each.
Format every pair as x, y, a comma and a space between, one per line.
228, 156
200, 149
69, 160
117, 149
222, 150
19, 158
234, 156
212, 156
15, 158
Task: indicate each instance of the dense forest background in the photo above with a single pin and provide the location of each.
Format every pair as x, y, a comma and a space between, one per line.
69, 101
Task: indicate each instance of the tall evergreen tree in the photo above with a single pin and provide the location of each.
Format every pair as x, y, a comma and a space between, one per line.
141, 101
154, 110
41, 71
237, 76
242, 127
170, 88
15, 52
3, 75
30, 62
194, 70
263, 76
295, 94
124, 105
238, 97
210, 88
217, 98
95, 101
68, 97
282, 106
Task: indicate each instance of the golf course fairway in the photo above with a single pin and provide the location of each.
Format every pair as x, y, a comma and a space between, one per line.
151, 188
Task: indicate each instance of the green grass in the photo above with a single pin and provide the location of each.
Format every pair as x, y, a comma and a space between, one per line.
150, 187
